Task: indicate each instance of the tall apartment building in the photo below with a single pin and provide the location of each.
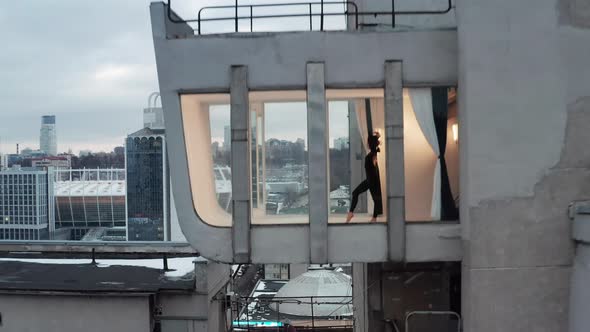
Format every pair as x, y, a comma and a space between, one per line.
26, 204
48, 135
148, 200
477, 231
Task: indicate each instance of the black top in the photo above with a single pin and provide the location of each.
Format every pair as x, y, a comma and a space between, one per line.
372, 170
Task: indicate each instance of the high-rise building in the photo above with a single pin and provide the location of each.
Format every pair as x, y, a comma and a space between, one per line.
26, 204
48, 136
148, 183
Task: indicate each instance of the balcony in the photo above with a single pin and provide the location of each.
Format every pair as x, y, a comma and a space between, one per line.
254, 121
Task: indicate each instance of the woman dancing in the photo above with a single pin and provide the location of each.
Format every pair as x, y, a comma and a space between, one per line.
372, 182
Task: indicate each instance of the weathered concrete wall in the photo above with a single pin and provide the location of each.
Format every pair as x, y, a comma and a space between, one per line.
52, 313
524, 83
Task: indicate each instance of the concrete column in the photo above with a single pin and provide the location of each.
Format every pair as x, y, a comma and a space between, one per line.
240, 163
394, 152
317, 147
359, 298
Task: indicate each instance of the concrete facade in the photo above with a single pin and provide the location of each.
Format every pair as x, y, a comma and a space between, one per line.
277, 61
52, 313
522, 107
523, 111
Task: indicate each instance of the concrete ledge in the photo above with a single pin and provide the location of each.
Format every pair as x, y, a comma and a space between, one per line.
432, 242
277, 60
42, 249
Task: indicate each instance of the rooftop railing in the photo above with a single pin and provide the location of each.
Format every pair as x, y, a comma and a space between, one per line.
326, 9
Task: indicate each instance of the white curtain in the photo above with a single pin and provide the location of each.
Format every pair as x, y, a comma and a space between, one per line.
422, 103
361, 120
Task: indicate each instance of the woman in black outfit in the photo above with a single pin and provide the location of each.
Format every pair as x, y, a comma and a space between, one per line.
372, 182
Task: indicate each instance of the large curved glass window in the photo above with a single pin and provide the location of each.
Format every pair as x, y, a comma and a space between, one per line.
207, 134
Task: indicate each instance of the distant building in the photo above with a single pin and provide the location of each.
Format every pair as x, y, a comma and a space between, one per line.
148, 186
119, 150
13, 159
90, 204
153, 118
215, 149
84, 153
3, 161
30, 153
58, 162
48, 135
26, 204
223, 186
341, 143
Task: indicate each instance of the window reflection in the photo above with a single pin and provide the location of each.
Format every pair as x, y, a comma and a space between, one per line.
281, 162
339, 157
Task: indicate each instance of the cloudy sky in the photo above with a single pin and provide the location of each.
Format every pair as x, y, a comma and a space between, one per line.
90, 63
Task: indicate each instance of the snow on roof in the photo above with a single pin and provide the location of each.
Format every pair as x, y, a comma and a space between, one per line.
90, 188
332, 288
179, 267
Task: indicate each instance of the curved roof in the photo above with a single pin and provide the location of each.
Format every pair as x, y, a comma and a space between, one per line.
331, 291
90, 188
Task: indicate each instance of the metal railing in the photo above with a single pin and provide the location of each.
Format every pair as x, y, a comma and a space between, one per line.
236, 17
271, 306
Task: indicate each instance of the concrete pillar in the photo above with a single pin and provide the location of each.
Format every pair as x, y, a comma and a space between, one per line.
317, 147
359, 298
394, 152
240, 163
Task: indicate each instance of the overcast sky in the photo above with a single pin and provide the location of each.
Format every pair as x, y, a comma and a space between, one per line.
90, 63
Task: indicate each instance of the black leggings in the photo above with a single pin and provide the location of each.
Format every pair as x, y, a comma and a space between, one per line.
375, 193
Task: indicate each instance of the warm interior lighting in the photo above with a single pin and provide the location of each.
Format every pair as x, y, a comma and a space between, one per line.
455, 128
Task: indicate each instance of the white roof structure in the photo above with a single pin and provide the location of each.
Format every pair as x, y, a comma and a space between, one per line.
331, 291
90, 188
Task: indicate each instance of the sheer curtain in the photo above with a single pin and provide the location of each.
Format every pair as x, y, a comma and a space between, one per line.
421, 99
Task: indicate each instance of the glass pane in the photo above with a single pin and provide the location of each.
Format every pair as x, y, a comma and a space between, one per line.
339, 157
280, 175
354, 116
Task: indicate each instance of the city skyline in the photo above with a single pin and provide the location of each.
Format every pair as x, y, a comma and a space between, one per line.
95, 80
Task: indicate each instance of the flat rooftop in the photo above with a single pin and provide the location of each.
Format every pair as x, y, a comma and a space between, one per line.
108, 275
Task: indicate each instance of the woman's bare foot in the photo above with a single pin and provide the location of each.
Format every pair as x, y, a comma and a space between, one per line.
373, 220
349, 216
